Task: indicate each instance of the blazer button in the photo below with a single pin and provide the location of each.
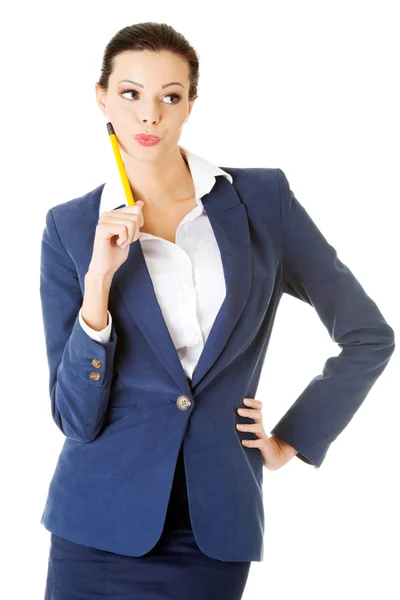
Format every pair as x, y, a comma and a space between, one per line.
96, 363
183, 403
94, 376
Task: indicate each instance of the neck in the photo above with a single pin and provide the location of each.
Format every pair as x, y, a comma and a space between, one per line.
161, 184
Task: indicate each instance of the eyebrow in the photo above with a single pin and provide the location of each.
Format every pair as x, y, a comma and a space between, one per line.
141, 85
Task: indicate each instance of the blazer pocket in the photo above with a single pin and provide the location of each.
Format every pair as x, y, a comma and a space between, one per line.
119, 393
117, 414
243, 435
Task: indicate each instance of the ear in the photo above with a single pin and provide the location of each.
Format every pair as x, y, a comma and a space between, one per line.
191, 104
101, 96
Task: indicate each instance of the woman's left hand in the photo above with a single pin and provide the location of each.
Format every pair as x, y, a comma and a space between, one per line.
275, 451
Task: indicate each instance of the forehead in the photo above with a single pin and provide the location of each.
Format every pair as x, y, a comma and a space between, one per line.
147, 66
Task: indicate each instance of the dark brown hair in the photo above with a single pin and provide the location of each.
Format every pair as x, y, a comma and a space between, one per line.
155, 37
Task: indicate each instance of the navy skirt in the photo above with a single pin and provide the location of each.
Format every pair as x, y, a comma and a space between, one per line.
175, 568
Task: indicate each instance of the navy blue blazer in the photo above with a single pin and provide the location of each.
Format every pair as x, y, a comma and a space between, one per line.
126, 406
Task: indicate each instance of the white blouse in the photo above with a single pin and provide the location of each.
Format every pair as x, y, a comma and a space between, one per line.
187, 276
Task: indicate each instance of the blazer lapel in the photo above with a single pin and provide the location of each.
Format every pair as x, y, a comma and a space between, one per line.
228, 218
132, 281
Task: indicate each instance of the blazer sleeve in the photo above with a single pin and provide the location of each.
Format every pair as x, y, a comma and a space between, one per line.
79, 385
313, 273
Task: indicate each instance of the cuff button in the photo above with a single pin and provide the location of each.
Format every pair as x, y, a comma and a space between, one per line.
96, 363
94, 376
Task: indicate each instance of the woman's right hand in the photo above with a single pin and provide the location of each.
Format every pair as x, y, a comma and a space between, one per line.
115, 231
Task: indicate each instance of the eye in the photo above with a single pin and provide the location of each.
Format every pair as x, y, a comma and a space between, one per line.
177, 96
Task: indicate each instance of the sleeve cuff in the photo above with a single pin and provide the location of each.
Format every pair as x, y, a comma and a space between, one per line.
100, 336
309, 448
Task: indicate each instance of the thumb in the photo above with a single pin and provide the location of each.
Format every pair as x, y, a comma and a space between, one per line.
140, 202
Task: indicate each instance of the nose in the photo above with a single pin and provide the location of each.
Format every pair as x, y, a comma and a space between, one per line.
149, 115
153, 121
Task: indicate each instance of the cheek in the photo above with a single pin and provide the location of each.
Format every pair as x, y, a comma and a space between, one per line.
176, 126
119, 120
175, 118
119, 111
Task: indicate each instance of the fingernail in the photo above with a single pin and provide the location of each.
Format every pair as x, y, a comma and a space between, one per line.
247, 401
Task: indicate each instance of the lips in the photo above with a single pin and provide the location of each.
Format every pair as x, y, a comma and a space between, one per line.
143, 137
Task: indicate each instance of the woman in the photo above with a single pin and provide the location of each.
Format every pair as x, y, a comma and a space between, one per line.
155, 349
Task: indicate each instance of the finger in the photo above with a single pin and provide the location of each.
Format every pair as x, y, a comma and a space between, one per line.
119, 218
115, 215
250, 412
258, 443
256, 428
110, 229
129, 208
127, 231
137, 209
253, 403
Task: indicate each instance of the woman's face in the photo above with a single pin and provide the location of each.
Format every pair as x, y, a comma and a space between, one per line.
145, 106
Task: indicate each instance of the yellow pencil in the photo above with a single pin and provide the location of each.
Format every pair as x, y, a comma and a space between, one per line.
120, 164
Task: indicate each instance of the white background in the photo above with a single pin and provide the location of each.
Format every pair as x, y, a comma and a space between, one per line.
310, 87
